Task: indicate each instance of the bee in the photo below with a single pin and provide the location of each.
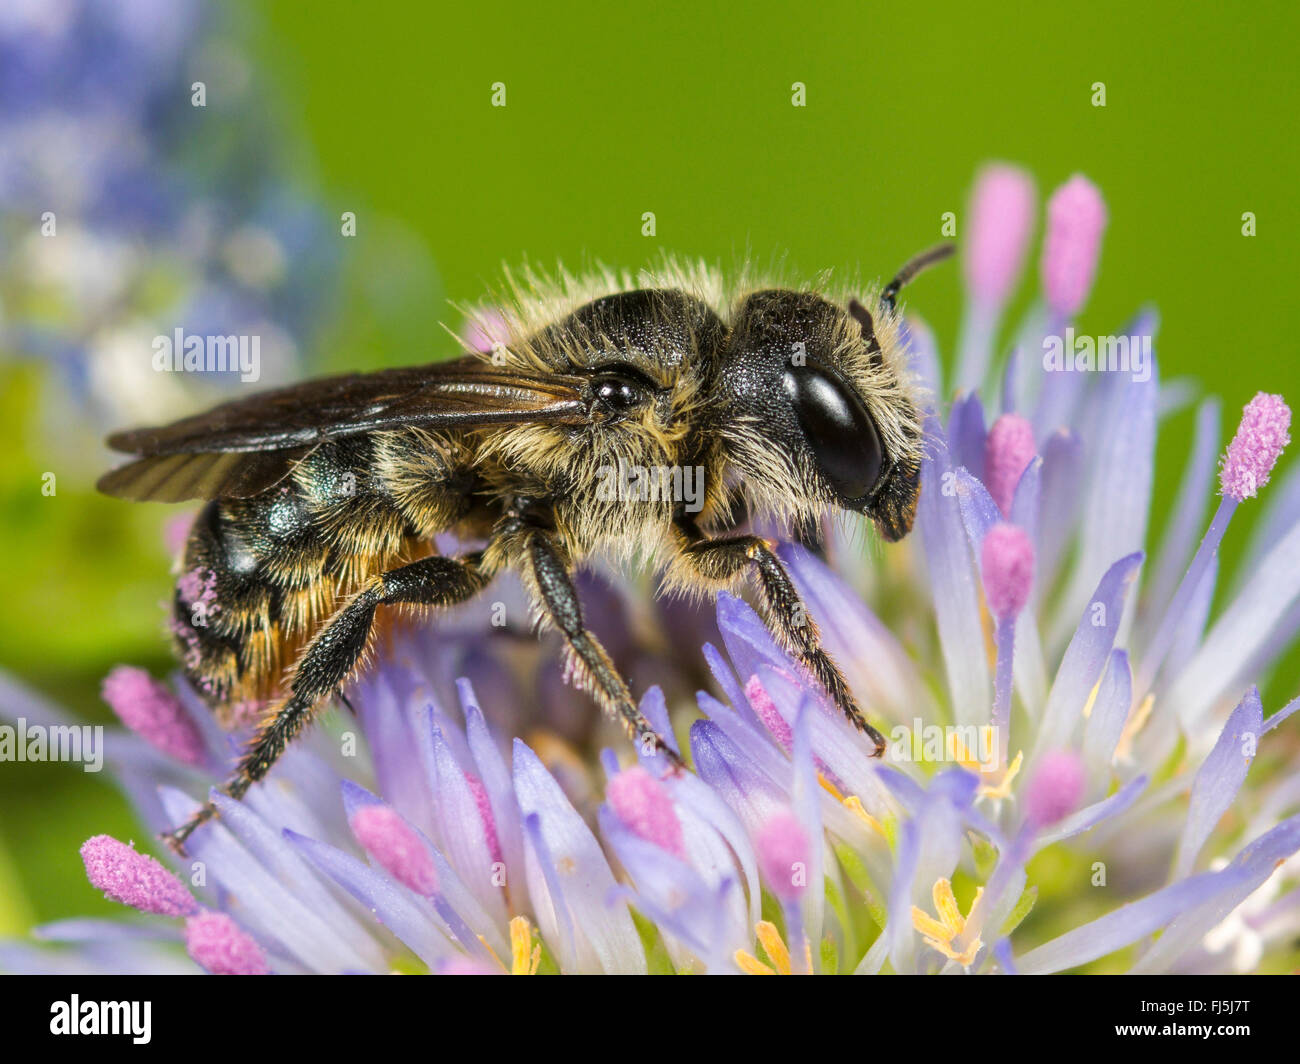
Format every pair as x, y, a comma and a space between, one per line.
323, 499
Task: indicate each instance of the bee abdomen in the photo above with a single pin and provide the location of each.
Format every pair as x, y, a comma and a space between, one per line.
254, 585
261, 574
218, 605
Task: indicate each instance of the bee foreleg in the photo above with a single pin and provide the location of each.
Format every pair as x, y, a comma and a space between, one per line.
559, 599
719, 562
332, 656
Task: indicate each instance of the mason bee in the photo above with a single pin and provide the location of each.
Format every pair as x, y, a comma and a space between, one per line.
323, 499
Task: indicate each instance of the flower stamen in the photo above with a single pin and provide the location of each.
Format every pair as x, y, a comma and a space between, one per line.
777, 951
1136, 722
524, 956
939, 934
1002, 789
854, 805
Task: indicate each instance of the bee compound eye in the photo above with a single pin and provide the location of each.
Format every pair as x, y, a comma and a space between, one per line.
838, 429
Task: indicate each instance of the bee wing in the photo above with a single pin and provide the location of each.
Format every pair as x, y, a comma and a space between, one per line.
212, 475
245, 446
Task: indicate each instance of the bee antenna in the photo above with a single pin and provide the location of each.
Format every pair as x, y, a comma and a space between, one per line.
914, 266
862, 316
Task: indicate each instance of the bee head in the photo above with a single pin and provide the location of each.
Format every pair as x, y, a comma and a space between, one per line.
822, 410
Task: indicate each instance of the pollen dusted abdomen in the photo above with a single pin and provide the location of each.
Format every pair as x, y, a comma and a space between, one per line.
260, 575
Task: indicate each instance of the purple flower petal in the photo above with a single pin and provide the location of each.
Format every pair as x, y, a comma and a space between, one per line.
1117, 498
84, 929
710, 920
261, 902
1090, 816
1259, 614
408, 917
726, 679
918, 341
1123, 926
1110, 709
722, 764
838, 748
458, 907
567, 868
1086, 655
716, 839
1248, 871
1025, 502
267, 845
953, 587
468, 846
807, 804
656, 712
759, 748
392, 733
930, 845
1191, 629
1220, 778
979, 512
1061, 492
497, 782
966, 434
1187, 519
898, 931
748, 640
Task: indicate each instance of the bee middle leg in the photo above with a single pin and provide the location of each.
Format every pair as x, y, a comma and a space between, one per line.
720, 562
332, 656
559, 598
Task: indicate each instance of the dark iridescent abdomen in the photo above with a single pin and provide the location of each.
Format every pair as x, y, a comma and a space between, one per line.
260, 575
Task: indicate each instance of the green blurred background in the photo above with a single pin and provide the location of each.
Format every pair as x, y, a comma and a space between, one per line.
683, 110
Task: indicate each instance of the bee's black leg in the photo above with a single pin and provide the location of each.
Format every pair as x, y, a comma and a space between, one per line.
719, 562
559, 599
333, 654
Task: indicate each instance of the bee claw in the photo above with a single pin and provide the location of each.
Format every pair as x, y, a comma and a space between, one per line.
174, 841
178, 837
676, 765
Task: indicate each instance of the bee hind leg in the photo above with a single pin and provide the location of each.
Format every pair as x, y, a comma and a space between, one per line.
332, 656
719, 562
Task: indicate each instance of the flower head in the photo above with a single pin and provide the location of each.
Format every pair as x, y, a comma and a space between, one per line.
1055, 790
1001, 223
783, 853
216, 942
1007, 563
1076, 219
1254, 450
1050, 680
642, 803
134, 879
152, 711
394, 844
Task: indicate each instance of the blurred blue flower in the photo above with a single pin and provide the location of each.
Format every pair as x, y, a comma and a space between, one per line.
130, 208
